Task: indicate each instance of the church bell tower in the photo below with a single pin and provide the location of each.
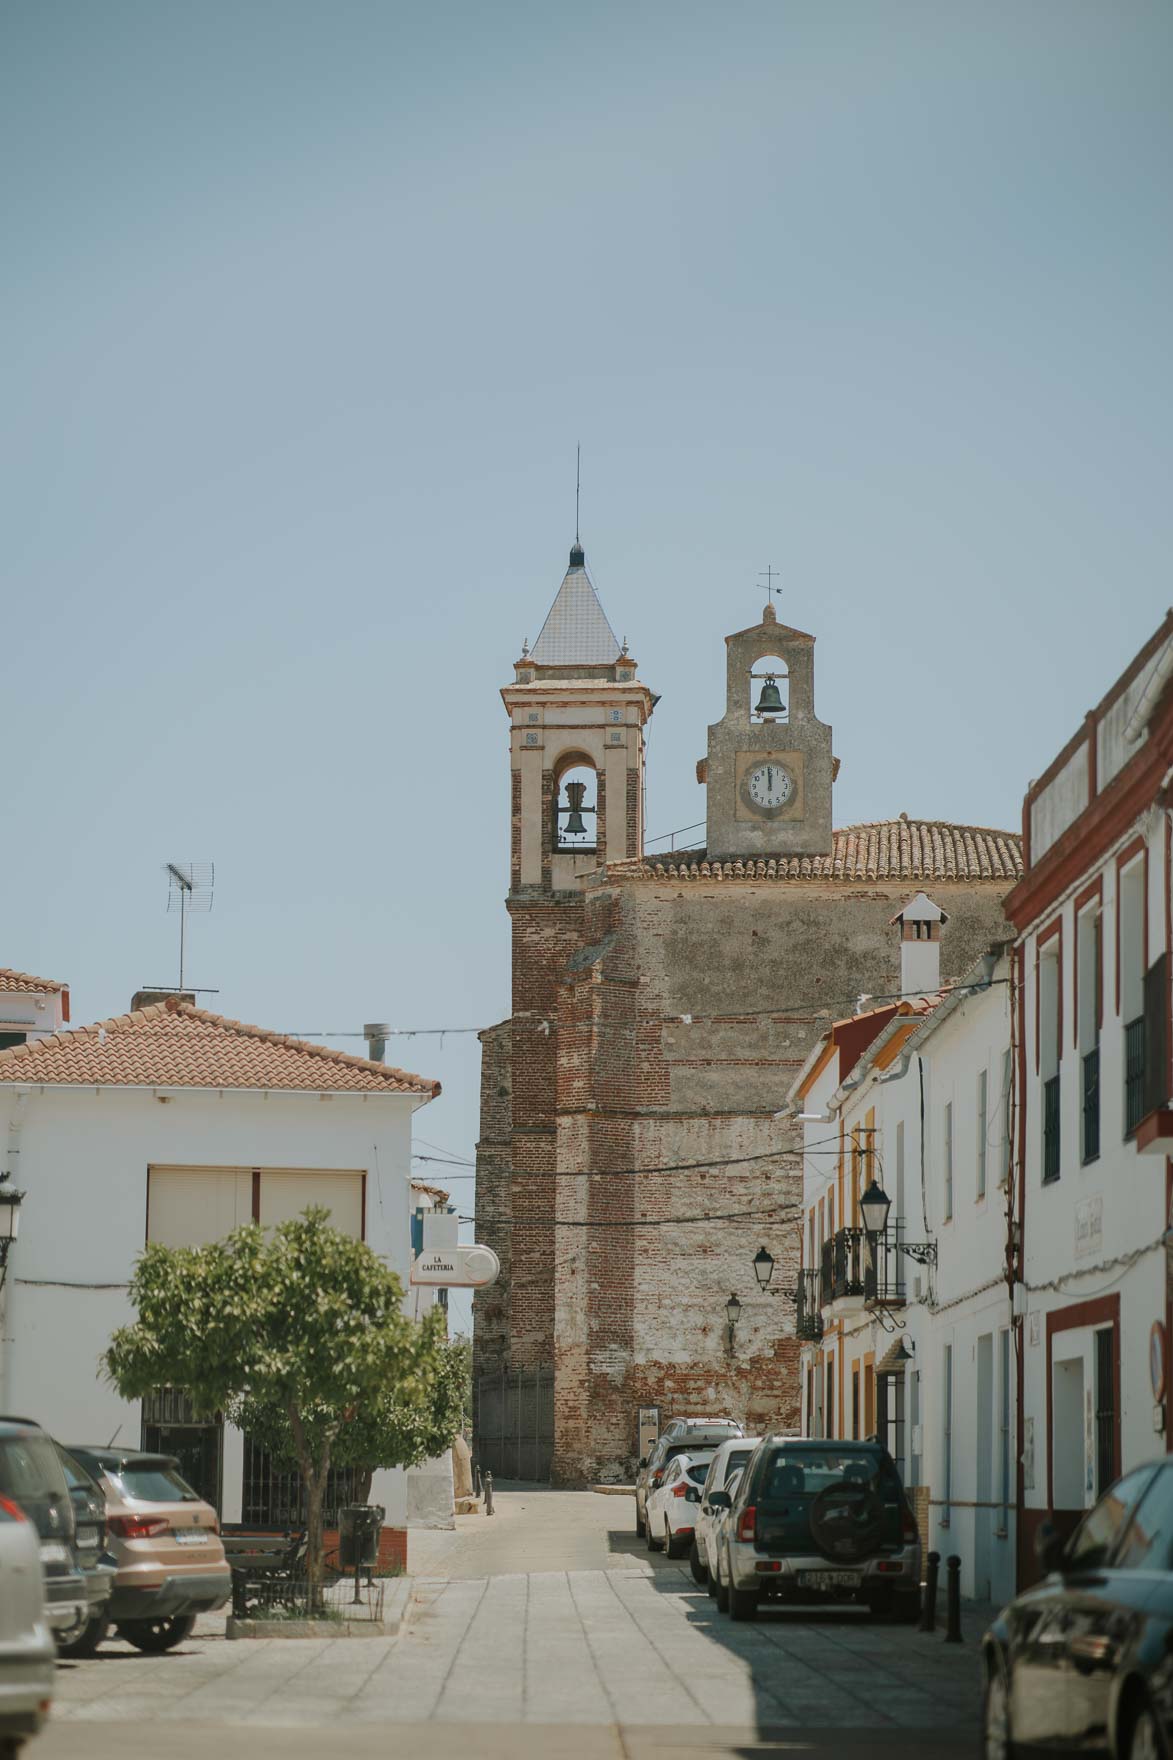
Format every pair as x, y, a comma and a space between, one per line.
769, 771
577, 716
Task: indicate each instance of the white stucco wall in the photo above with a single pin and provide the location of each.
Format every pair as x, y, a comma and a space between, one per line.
83, 1164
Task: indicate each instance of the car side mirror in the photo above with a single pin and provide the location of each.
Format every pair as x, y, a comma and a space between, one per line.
1050, 1548
720, 1500
643, 1461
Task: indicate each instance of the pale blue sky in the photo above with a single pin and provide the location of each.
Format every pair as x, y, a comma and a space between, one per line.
306, 306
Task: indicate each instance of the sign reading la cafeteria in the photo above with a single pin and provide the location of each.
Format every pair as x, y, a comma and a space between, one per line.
472, 1267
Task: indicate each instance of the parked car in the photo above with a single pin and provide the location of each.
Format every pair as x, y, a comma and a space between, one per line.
1081, 1662
27, 1655
716, 1586
676, 1426
675, 1440
30, 1474
820, 1523
729, 1459
95, 1563
168, 1555
672, 1506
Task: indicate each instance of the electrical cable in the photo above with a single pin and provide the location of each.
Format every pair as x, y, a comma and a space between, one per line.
640, 1222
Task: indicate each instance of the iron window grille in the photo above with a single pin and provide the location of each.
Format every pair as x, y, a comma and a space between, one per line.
1051, 1129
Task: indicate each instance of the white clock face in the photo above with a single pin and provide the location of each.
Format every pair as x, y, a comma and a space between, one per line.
769, 785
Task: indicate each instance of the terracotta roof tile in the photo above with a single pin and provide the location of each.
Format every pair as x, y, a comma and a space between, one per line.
10, 980
175, 1045
891, 849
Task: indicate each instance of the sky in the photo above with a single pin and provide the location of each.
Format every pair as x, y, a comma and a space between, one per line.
306, 307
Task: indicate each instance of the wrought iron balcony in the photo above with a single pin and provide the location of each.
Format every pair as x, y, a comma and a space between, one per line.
1134, 1074
1091, 1104
1051, 1129
855, 1264
808, 1321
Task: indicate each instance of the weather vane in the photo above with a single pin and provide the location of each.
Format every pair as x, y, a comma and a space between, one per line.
769, 575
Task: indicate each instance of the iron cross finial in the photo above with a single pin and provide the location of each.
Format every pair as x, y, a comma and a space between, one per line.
769, 575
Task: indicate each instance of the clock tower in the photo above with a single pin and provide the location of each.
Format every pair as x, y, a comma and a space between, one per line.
769, 771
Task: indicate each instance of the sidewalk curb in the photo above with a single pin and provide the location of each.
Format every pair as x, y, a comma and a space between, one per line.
614, 1490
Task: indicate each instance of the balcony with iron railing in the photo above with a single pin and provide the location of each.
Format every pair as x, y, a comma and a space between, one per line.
856, 1265
808, 1321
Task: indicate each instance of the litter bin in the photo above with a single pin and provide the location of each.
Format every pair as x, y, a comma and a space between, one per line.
358, 1535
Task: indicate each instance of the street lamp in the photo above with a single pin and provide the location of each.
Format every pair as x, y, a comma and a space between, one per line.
874, 1207
10, 1202
763, 1267
732, 1315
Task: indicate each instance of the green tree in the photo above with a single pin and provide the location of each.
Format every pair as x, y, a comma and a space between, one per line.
399, 1426
304, 1319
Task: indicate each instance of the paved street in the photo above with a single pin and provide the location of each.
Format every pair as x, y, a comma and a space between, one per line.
545, 1628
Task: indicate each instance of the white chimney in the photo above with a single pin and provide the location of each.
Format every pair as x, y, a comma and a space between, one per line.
920, 946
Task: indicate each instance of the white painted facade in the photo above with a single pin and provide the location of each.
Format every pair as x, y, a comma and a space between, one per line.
1094, 1214
948, 1413
83, 1156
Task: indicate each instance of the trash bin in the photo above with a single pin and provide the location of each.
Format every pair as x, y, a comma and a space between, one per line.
358, 1535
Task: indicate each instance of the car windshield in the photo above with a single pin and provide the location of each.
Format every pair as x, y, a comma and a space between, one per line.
735, 1460
794, 1472
75, 1477
29, 1468
153, 1483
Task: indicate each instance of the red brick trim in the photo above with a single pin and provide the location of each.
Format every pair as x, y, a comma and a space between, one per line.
1098, 1311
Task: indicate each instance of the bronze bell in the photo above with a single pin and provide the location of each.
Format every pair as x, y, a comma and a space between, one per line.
770, 702
574, 826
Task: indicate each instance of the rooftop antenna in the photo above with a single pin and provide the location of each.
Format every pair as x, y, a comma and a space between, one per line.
190, 889
577, 485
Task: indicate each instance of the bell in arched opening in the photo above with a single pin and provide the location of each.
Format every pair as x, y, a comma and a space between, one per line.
574, 825
769, 704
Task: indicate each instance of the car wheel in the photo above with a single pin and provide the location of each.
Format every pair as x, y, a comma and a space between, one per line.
711, 1585
743, 1603
153, 1636
640, 1525
88, 1639
677, 1544
654, 1545
997, 1743
10, 1747
722, 1594
699, 1572
1145, 1741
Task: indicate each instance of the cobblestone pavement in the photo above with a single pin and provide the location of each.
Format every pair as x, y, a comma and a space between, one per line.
549, 1629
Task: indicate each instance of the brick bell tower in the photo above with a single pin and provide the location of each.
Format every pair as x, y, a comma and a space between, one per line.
577, 719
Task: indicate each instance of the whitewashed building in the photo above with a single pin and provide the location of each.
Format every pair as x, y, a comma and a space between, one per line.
30, 1008
911, 1338
1094, 1181
173, 1124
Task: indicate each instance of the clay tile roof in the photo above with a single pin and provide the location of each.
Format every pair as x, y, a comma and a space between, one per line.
437, 1193
891, 849
175, 1045
23, 981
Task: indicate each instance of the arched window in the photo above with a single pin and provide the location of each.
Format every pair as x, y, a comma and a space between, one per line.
769, 689
575, 806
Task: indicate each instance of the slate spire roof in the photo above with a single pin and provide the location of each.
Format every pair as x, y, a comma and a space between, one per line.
576, 631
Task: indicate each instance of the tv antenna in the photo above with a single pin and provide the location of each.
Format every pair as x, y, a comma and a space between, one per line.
190, 889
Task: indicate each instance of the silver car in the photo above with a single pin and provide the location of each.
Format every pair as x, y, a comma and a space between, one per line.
820, 1523
728, 1460
28, 1655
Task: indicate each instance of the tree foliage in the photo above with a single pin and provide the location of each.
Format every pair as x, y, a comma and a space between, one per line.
303, 1320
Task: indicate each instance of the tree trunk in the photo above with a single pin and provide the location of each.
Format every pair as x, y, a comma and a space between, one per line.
362, 1484
315, 1485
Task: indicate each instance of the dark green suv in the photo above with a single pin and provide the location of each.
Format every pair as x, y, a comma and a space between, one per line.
819, 1523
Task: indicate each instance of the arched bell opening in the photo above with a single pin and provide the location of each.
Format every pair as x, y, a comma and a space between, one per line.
769, 689
576, 806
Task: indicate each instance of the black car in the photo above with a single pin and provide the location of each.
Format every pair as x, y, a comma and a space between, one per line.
1083, 1662
31, 1475
95, 1563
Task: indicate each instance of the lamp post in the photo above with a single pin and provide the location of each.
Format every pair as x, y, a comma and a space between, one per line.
763, 1267
874, 1207
732, 1315
10, 1203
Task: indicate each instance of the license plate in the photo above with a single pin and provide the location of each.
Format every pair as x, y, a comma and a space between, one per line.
87, 1536
829, 1579
190, 1537
54, 1552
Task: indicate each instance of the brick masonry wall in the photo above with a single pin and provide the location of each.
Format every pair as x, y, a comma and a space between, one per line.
635, 1315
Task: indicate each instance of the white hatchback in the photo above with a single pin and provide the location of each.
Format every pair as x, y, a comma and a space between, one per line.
729, 1459
28, 1655
672, 1506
